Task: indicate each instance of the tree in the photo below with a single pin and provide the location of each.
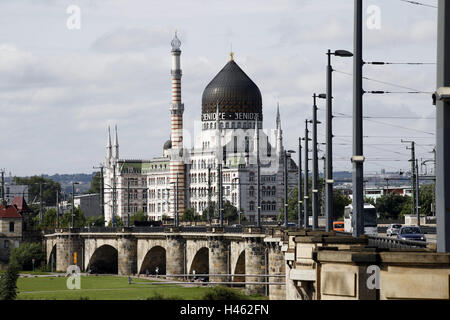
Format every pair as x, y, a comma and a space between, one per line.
139, 216
23, 255
49, 188
95, 221
340, 201
96, 183
8, 282
393, 206
292, 207
118, 220
79, 220
190, 215
230, 212
426, 195
49, 220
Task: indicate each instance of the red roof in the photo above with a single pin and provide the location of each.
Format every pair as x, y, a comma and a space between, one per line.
20, 204
9, 212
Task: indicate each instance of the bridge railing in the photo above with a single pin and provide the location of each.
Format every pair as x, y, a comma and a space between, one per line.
393, 243
150, 229
389, 243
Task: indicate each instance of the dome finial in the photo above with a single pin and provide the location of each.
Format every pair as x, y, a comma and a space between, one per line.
231, 52
176, 43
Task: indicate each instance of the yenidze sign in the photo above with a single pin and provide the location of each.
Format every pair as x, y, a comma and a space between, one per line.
231, 116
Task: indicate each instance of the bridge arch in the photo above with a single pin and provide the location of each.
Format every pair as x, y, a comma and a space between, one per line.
200, 262
239, 267
51, 257
104, 260
155, 258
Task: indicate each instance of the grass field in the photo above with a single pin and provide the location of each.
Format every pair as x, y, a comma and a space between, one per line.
103, 288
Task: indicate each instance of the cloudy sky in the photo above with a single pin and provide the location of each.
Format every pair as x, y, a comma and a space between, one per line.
60, 88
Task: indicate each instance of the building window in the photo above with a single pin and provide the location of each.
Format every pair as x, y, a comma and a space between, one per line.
11, 227
252, 206
6, 244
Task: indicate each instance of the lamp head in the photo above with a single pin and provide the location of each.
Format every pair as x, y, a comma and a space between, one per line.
343, 53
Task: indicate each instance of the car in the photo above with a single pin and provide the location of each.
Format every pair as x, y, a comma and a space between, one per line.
338, 226
393, 229
411, 233
292, 225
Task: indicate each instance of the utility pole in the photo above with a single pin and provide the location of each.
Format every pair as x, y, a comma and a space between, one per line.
434, 189
114, 197
176, 202
220, 195
417, 194
73, 205
128, 202
57, 209
315, 168
41, 212
209, 194
300, 196
306, 188
443, 129
258, 178
328, 173
413, 175
3, 185
286, 189
324, 186
358, 157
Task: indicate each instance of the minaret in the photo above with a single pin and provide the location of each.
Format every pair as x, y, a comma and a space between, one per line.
116, 146
279, 132
177, 174
108, 149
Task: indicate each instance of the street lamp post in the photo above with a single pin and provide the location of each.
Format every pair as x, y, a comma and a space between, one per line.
286, 185
73, 203
299, 181
358, 156
239, 195
329, 143
306, 185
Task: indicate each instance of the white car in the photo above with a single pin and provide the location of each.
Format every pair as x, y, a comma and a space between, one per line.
393, 229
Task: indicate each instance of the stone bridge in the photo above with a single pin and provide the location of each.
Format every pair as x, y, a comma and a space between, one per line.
173, 253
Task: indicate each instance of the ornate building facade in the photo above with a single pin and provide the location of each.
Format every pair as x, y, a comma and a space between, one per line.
230, 140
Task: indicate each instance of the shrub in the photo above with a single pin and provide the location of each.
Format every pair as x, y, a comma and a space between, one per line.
8, 282
159, 296
223, 293
23, 255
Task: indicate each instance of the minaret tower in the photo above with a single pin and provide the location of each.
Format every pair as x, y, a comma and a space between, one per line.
279, 133
116, 146
108, 149
177, 174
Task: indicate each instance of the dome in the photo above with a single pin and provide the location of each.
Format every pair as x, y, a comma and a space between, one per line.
236, 94
167, 145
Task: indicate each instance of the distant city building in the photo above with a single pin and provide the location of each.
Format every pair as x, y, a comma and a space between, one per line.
89, 204
10, 231
14, 190
230, 127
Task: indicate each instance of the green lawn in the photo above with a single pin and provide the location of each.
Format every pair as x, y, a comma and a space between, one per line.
103, 288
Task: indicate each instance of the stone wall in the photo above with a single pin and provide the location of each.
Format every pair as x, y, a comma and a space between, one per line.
324, 266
